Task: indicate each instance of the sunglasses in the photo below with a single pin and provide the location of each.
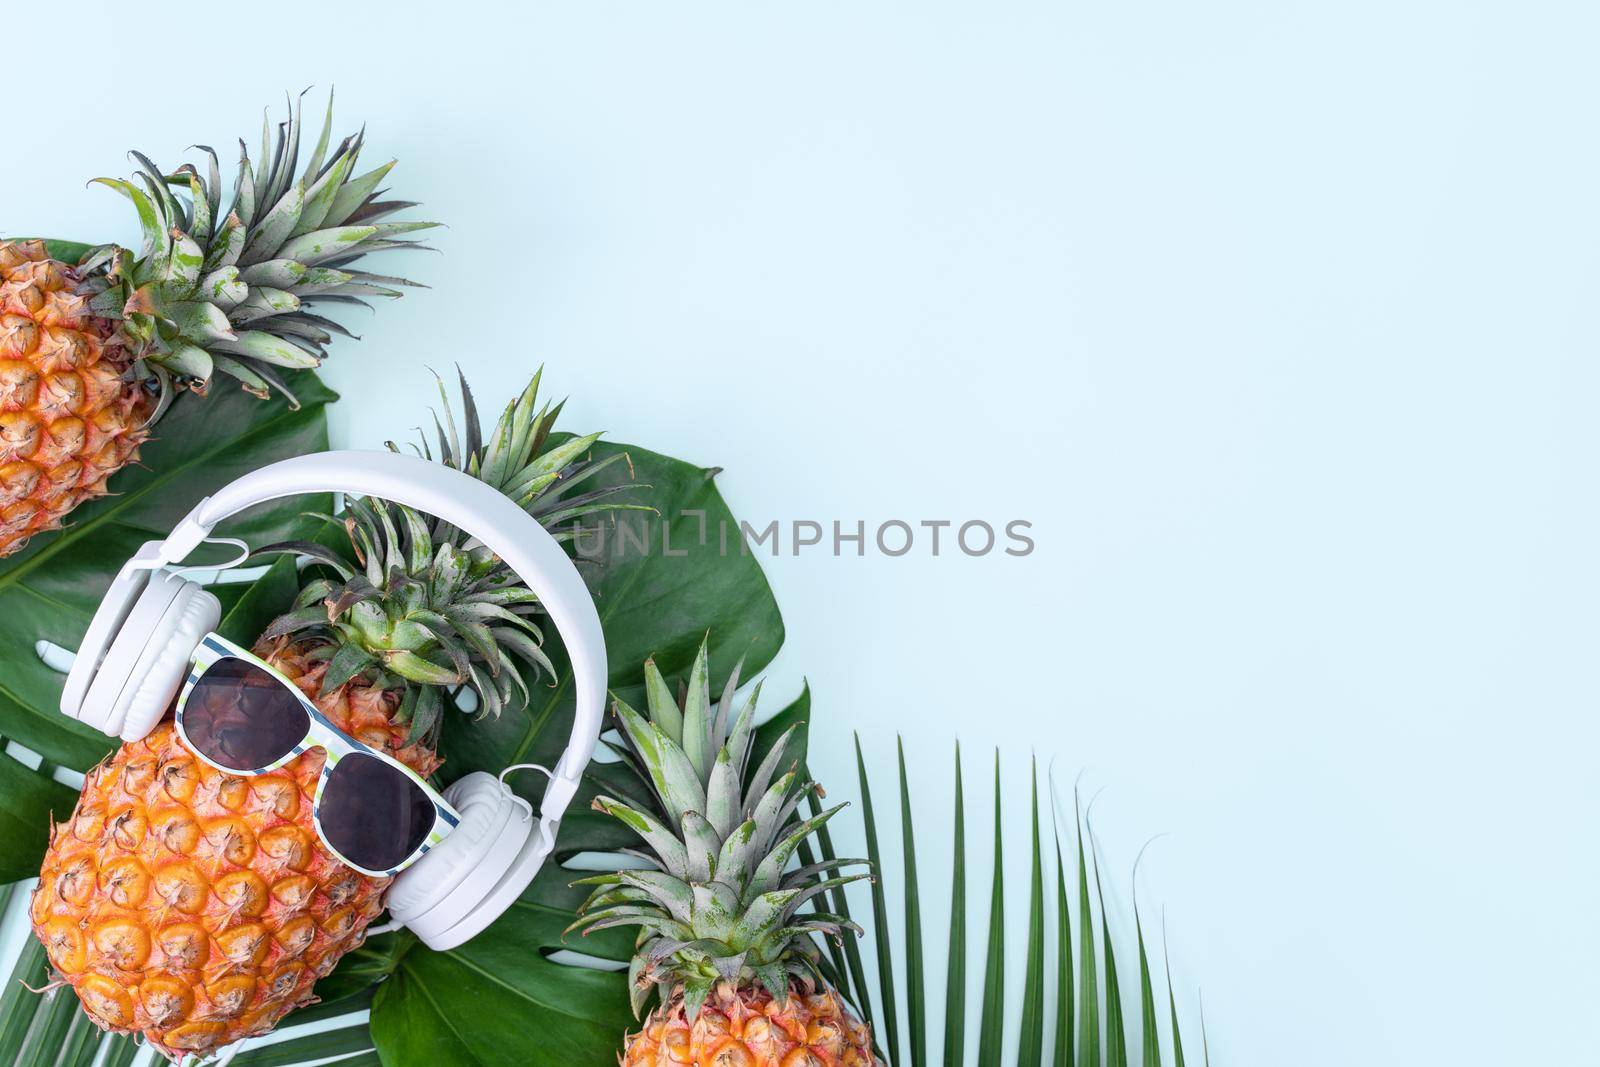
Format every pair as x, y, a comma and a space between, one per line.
372, 811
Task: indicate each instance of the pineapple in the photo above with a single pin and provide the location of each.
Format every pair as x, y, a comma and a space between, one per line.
91, 352
722, 938
199, 907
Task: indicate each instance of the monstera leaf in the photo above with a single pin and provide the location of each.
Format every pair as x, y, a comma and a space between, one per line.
660, 586
31, 798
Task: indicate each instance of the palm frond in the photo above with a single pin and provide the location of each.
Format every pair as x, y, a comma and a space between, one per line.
1070, 1012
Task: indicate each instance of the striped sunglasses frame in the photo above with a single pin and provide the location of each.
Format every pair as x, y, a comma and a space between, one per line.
320, 733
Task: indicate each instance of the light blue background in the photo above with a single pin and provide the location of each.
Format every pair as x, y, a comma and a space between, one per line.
1276, 319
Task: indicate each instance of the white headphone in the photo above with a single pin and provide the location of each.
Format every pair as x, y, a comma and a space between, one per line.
138, 646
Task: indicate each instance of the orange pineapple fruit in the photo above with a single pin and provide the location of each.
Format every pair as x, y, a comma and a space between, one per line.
199, 907
722, 939
69, 414
747, 1027
90, 350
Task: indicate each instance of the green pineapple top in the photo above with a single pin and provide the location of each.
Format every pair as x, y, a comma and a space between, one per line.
423, 605
235, 291
722, 903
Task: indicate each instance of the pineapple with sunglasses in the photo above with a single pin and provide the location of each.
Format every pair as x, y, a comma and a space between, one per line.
209, 876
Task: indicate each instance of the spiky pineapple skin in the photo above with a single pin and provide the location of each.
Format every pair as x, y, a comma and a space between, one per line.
70, 416
199, 907
746, 1027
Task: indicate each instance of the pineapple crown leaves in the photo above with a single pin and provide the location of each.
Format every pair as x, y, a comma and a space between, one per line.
235, 291
721, 901
430, 614
518, 459
421, 601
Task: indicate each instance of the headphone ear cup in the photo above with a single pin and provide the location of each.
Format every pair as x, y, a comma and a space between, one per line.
158, 675
127, 643
438, 890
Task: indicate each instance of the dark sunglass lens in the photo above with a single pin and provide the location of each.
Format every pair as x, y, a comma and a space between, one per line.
372, 814
240, 717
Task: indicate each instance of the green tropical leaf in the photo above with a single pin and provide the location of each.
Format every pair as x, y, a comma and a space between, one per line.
880, 919
32, 798
497, 1000
1151, 1053
840, 904
1064, 974
1068, 1023
1030, 1052
955, 997
1116, 1036
349, 1045
1088, 976
17, 1006
1172, 1004
352, 982
257, 604
916, 990
991, 1026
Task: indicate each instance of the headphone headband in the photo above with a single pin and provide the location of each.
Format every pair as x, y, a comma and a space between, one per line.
478, 509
